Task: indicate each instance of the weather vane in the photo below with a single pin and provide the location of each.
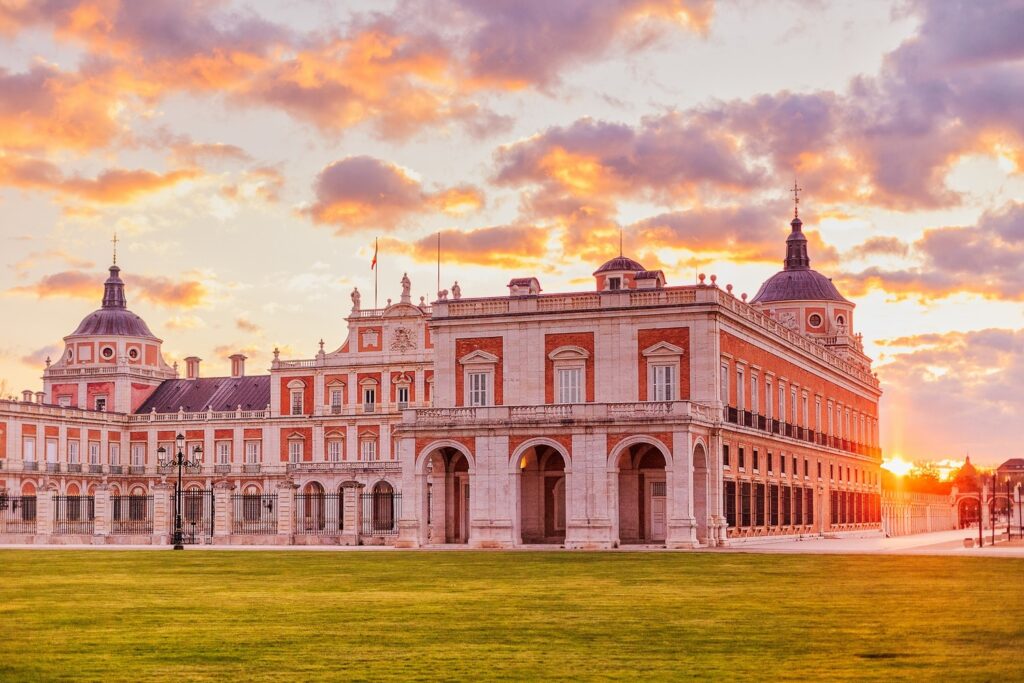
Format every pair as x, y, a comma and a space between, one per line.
796, 199
115, 247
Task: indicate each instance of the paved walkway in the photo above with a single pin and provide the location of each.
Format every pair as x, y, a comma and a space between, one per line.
936, 543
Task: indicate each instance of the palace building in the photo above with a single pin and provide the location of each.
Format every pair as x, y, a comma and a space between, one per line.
635, 413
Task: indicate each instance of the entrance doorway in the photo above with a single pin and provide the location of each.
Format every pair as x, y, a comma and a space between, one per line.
643, 495
447, 495
542, 496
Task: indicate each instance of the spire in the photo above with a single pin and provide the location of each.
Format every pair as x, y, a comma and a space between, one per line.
115, 247
113, 290
796, 243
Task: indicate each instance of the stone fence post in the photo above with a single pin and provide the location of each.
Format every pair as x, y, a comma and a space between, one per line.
352, 512
101, 508
163, 513
223, 505
286, 511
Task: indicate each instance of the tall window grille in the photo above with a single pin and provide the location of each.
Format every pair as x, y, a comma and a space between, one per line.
254, 513
319, 514
759, 504
131, 515
74, 514
745, 504
729, 494
381, 510
17, 514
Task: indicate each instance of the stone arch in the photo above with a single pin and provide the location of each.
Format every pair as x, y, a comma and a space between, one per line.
424, 455
541, 470
640, 467
446, 468
701, 491
517, 455
638, 439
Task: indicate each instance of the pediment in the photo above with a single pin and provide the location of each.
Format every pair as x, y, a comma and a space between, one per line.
663, 349
478, 356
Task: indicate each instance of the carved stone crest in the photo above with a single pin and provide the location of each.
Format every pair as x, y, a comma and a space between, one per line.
788, 320
402, 340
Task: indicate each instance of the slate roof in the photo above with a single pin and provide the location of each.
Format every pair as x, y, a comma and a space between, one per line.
220, 393
620, 263
1013, 464
114, 318
798, 285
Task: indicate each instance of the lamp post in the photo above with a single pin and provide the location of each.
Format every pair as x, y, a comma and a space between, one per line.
179, 461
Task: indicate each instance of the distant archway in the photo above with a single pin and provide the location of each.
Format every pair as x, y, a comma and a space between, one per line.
642, 494
542, 494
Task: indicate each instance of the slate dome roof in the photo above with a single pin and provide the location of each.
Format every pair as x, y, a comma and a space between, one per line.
114, 319
619, 263
796, 281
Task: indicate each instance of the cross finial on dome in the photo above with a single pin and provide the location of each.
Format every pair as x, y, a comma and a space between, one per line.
796, 190
115, 247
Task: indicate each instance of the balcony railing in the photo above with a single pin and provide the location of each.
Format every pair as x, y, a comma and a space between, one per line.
30, 466
74, 467
641, 410
53, 467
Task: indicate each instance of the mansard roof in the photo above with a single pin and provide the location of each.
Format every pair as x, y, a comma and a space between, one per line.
218, 393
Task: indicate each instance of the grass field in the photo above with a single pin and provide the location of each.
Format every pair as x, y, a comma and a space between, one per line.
120, 615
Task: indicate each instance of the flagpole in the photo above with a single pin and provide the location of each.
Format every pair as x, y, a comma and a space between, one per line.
438, 262
376, 272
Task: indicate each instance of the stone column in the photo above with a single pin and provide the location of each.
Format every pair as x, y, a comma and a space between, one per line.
101, 505
163, 513
352, 509
285, 511
719, 526
45, 513
681, 529
413, 486
223, 492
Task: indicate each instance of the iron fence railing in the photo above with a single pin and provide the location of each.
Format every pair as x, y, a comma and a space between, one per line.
381, 510
131, 515
74, 514
254, 513
17, 514
319, 514
196, 516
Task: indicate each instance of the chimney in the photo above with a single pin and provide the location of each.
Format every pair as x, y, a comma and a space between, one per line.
238, 365
40, 397
26, 396
192, 367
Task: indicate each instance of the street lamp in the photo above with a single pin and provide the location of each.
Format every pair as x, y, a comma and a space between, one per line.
181, 462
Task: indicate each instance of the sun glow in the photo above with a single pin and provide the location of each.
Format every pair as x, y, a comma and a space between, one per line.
898, 466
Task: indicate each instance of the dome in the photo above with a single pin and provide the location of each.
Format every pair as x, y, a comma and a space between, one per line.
797, 285
114, 319
619, 263
796, 281
113, 322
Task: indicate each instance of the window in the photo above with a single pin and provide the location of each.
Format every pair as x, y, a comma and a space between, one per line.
336, 400
782, 464
745, 503
768, 462
614, 283
664, 383
133, 354
478, 387
782, 402
569, 381
730, 503
295, 448
368, 449
768, 398
115, 454
73, 452
64, 401
94, 453
252, 452
831, 471
805, 415
814, 320
796, 467
754, 461
740, 459
758, 504
138, 455
725, 455
753, 392
807, 468
831, 425
817, 414
334, 450
28, 449
107, 352
369, 399
296, 401
739, 389
792, 396
100, 403
724, 388
223, 452
819, 469
403, 396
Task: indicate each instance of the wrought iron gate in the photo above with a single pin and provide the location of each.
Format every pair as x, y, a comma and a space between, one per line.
196, 516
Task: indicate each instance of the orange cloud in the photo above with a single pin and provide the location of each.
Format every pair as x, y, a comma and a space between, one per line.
502, 246
77, 284
364, 192
114, 186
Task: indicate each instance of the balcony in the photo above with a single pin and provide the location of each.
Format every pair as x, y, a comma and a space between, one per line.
251, 468
74, 467
566, 413
116, 469
136, 469
222, 469
95, 469
369, 407
53, 467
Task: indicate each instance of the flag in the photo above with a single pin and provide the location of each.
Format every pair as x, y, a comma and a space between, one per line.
373, 264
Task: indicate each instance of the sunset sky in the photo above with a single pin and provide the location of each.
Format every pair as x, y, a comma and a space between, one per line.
248, 154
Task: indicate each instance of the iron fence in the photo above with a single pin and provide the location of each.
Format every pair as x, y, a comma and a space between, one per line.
254, 513
74, 514
381, 510
319, 514
17, 514
196, 516
131, 515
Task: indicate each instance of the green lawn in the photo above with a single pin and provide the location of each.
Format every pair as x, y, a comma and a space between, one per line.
430, 615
